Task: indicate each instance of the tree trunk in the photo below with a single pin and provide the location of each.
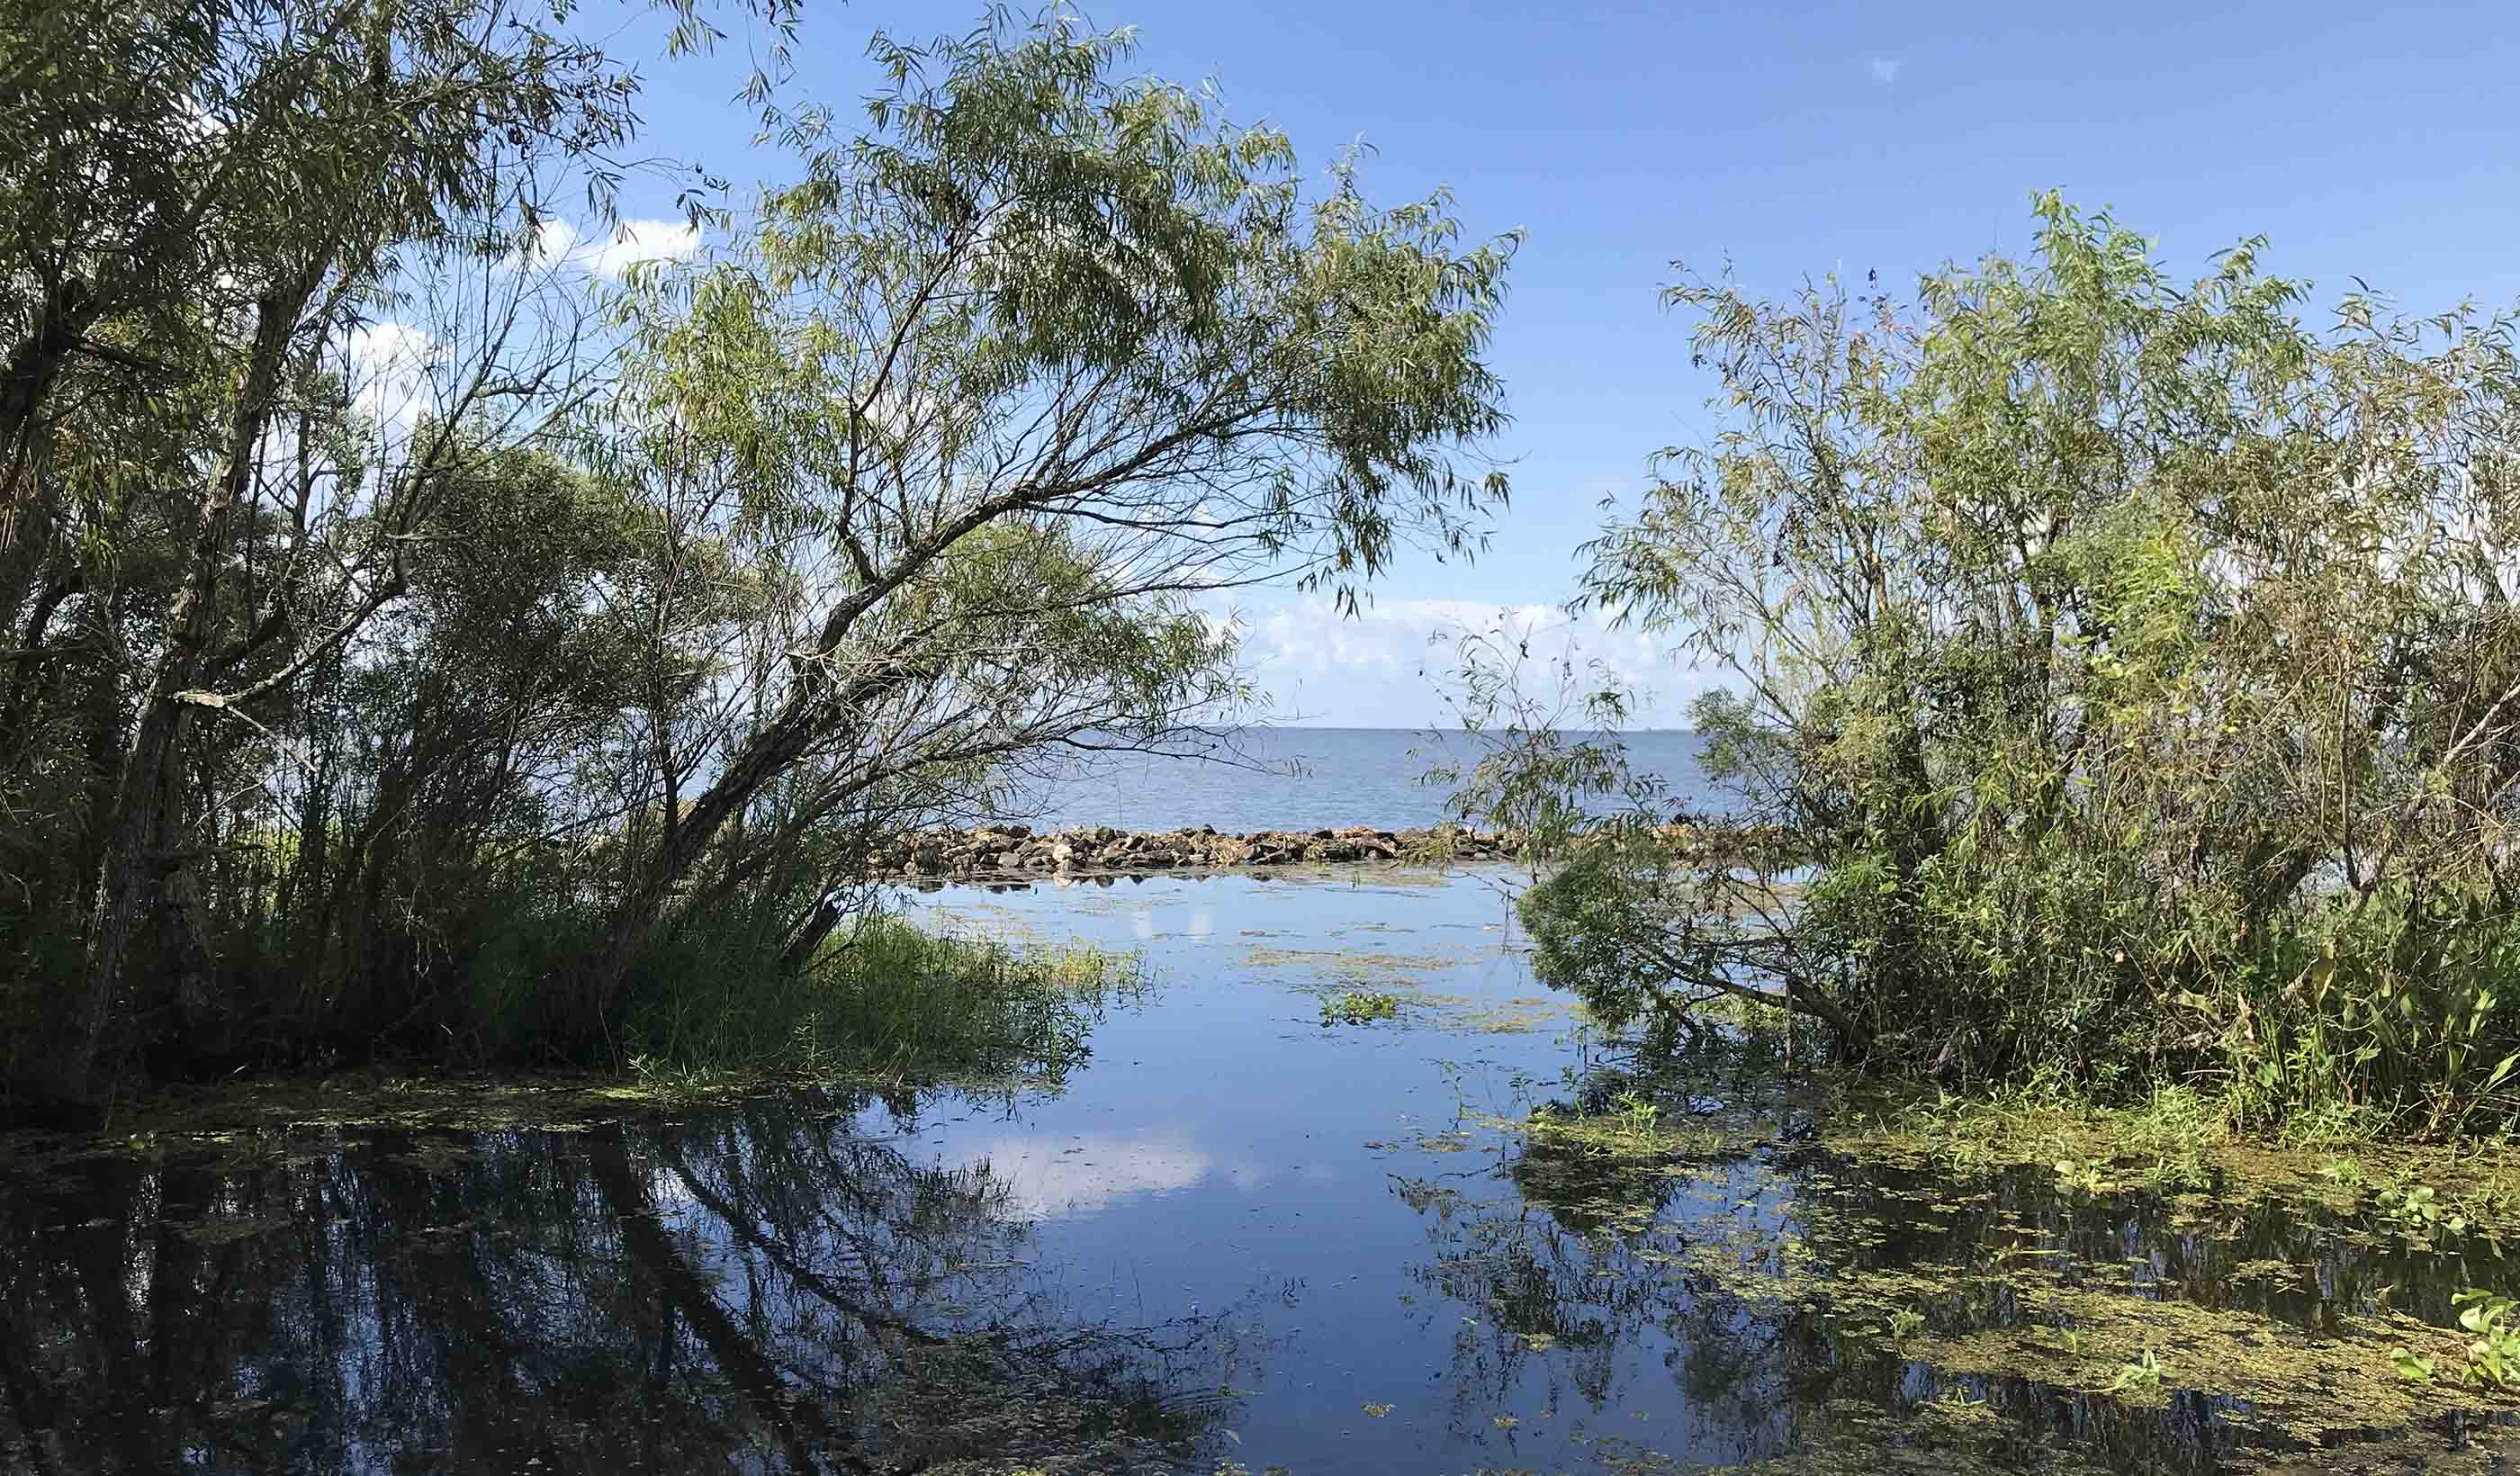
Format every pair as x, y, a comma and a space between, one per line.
800, 951
131, 883
69, 310
635, 916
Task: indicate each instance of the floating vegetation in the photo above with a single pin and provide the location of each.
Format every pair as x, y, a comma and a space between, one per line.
2081, 1177
2494, 1323
1516, 1016
1359, 1006
2067, 1299
2178, 1144
2138, 1377
1837, 1283
2416, 1211
1352, 963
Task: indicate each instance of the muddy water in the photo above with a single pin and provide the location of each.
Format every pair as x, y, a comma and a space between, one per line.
1238, 1237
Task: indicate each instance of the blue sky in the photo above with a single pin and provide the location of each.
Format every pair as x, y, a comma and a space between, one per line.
1789, 139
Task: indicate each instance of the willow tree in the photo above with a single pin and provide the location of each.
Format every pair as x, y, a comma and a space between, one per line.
2137, 662
997, 400
205, 209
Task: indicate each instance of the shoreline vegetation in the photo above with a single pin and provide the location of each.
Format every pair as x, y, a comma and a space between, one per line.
321, 665
891, 1011
452, 681
2137, 655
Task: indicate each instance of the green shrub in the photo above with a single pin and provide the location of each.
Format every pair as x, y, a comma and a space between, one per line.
2132, 664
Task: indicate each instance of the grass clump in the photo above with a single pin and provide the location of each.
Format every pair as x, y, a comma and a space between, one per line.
885, 999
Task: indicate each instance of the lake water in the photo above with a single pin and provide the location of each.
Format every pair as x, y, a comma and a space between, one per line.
1308, 778
1236, 1235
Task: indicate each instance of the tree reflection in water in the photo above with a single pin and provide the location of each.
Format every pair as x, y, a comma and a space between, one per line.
1758, 1278
761, 1287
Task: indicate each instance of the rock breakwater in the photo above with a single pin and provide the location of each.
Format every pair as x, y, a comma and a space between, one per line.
1014, 850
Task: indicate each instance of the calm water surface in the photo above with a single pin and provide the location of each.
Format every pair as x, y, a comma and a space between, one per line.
1235, 1236
1305, 779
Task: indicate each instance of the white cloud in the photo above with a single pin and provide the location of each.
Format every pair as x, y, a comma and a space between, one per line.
390, 370
1052, 1179
1394, 636
1386, 667
1886, 70
612, 253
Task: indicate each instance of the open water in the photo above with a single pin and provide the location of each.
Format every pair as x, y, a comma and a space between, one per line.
1307, 778
1236, 1237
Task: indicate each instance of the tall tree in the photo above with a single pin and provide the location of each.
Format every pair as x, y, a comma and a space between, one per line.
203, 202
337, 723
996, 397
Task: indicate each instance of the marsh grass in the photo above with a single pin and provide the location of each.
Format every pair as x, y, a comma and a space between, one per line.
887, 999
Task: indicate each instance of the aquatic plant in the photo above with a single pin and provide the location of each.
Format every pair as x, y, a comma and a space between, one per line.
2416, 1211
2142, 1373
2493, 1322
1358, 1007
2082, 1177
2086, 784
1628, 1125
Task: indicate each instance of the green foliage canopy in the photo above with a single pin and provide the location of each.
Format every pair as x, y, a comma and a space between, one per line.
329, 724
2138, 665
995, 396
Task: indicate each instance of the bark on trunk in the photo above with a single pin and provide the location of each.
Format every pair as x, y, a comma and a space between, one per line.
768, 753
131, 883
69, 311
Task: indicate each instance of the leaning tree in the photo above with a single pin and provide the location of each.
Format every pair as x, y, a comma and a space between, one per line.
994, 406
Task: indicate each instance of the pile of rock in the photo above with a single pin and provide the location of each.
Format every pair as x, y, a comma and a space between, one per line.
1013, 850
1016, 850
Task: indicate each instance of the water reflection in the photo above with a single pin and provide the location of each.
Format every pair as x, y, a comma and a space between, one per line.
1238, 1234
1054, 1179
767, 1287
1770, 1289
